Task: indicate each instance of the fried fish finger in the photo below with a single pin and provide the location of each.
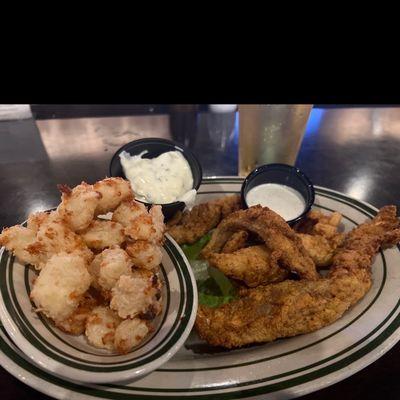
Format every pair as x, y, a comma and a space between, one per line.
291, 308
275, 233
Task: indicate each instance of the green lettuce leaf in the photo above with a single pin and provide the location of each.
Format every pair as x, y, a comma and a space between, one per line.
192, 251
213, 286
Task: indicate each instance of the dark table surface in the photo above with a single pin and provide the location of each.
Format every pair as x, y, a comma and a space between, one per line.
350, 149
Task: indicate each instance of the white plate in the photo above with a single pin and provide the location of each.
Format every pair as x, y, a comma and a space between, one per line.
282, 369
71, 356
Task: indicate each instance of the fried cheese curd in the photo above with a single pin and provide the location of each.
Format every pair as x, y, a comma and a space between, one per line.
96, 276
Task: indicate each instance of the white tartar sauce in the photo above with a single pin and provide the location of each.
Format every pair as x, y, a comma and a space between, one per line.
284, 200
160, 180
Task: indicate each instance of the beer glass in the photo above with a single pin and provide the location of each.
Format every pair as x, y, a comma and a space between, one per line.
270, 133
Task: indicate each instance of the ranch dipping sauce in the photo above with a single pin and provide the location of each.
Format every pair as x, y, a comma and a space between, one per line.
284, 200
160, 180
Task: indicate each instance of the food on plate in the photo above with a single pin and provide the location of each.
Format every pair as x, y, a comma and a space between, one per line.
275, 233
144, 254
100, 327
130, 333
320, 236
101, 234
49, 237
18, 239
159, 180
290, 308
318, 223
107, 267
113, 191
75, 324
283, 199
228, 204
320, 249
78, 205
193, 224
190, 226
254, 265
237, 241
54, 236
140, 224
137, 294
60, 286
88, 283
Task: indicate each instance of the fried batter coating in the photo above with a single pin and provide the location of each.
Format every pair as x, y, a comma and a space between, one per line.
195, 223
319, 249
273, 230
144, 254
60, 286
318, 223
320, 236
138, 223
190, 226
129, 334
17, 239
78, 205
236, 242
100, 327
107, 267
137, 294
35, 220
102, 233
76, 323
113, 191
54, 237
291, 308
47, 236
361, 244
253, 265
57, 244
229, 204
279, 310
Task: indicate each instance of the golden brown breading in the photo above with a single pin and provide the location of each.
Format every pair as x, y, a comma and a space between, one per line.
78, 205
278, 310
190, 226
140, 223
253, 265
113, 191
236, 242
320, 236
291, 308
47, 236
144, 254
17, 239
320, 249
273, 230
229, 204
195, 223
76, 323
102, 233
318, 223
362, 243
61, 286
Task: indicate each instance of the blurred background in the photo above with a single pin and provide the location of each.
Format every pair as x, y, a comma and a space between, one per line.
351, 148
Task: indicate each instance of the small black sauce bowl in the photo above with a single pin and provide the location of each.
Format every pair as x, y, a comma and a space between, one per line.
285, 175
155, 147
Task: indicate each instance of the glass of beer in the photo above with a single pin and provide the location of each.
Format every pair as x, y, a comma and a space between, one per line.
270, 133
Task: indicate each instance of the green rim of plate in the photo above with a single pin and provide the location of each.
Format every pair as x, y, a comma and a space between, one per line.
104, 391
41, 344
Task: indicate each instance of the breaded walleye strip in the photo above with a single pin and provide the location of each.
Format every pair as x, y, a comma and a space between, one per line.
254, 265
190, 226
273, 230
291, 308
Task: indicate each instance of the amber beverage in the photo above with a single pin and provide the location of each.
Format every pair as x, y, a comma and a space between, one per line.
270, 133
